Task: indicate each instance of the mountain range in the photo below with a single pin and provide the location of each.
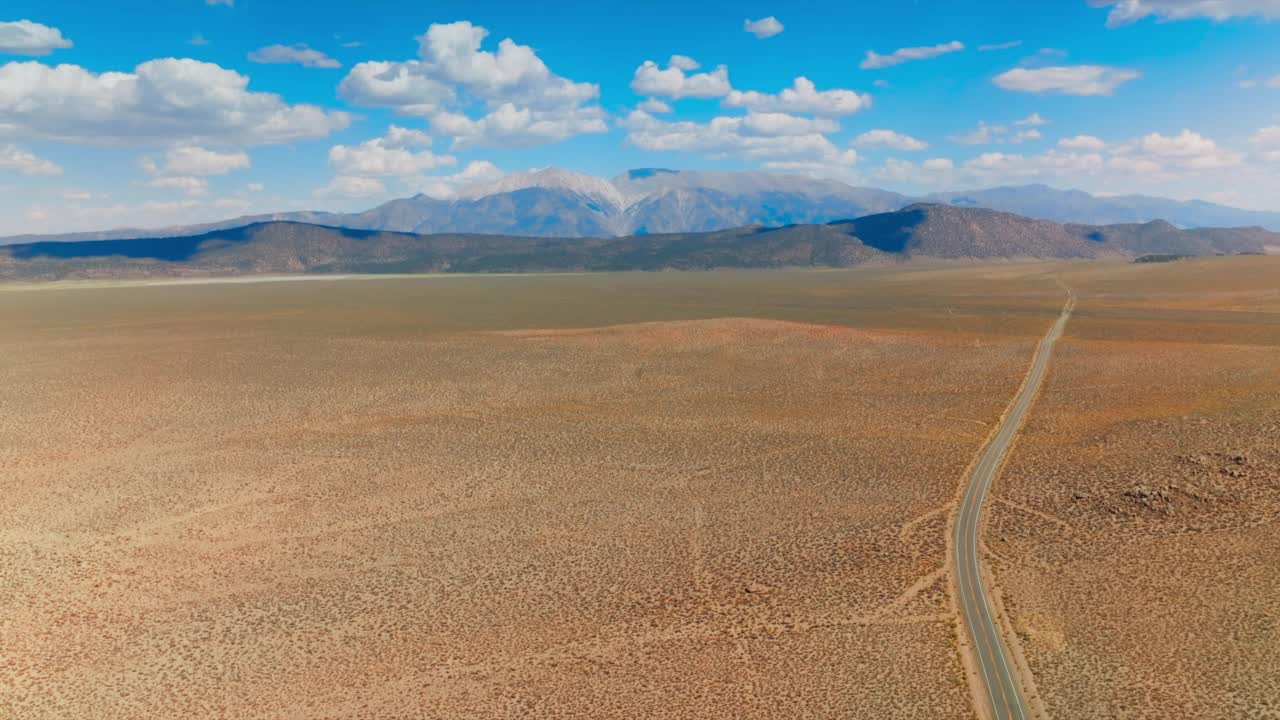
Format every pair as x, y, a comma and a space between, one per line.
558, 203
917, 232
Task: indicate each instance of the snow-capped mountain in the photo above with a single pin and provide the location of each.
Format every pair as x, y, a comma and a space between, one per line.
596, 189
553, 202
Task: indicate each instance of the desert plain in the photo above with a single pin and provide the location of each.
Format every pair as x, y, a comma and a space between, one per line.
636, 495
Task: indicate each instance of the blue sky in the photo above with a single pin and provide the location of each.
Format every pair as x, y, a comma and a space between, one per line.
148, 114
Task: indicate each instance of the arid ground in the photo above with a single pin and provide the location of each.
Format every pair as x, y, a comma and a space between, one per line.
686, 495
1138, 525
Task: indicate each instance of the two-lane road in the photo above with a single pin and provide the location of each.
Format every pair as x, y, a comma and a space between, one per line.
994, 662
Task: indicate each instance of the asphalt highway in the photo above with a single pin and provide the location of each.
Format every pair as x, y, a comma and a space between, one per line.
995, 663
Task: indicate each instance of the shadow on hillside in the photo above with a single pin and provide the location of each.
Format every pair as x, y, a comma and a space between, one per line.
887, 232
167, 249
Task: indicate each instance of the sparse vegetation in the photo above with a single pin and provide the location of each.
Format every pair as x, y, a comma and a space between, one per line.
633, 495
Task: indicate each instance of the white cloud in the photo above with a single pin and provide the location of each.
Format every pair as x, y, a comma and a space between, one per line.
408, 87
684, 62
763, 28
890, 140
1066, 79
776, 124
993, 166
875, 60
931, 172
1000, 46
1032, 120
299, 54
988, 134
801, 97
198, 40
191, 185
193, 160
742, 137
350, 186
1161, 154
15, 159
514, 74
1124, 12
1184, 165
161, 102
1082, 142
673, 82
984, 134
511, 126
184, 168
1268, 141
445, 186
390, 155
24, 37
255, 187
655, 106
1274, 82
228, 3
476, 96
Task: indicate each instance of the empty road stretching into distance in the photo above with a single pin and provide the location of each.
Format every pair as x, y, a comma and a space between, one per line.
995, 662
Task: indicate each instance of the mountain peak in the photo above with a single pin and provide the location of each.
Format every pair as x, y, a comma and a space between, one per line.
549, 178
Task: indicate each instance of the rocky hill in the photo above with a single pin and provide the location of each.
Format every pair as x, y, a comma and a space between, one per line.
918, 232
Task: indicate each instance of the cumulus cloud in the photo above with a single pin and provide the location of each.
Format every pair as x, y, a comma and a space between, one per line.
352, 186
477, 96
1082, 142
166, 101
79, 216
185, 168
446, 186
889, 139
802, 97
776, 124
676, 82
192, 160
984, 134
769, 137
684, 62
989, 134
299, 54
1163, 154
391, 155
1066, 79
1082, 160
875, 60
24, 37
997, 165
190, 185
655, 106
511, 126
763, 28
1032, 120
1268, 141
15, 159
1124, 12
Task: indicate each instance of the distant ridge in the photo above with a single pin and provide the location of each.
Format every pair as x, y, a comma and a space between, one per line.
917, 232
558, 203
